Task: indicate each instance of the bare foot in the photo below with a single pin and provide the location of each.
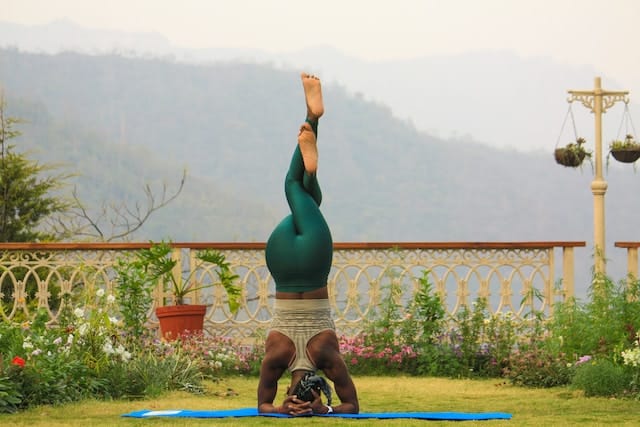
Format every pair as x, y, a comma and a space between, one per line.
312, 96
308, 148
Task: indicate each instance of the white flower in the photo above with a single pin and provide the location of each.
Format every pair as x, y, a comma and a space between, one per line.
27, 345
58, 341
631, 357
36, 352
100, 293
108, 348
82, 330
217, 364
70, 339
111, 299
126, 356
78, 312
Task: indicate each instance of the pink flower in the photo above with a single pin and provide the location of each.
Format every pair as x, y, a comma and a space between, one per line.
583, 359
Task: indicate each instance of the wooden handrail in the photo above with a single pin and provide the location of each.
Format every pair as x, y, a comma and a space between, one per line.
627, 245
262, 245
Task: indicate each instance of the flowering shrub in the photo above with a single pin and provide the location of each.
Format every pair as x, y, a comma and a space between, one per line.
65, 363
217, 356
631, 357
631, 360
397, 338
480, 341
85, 356
474, 343
364, 356
537, 366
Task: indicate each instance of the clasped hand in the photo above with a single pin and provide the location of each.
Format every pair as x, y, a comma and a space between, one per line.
296, 407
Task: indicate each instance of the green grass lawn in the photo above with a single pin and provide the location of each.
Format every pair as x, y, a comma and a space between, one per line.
529, 407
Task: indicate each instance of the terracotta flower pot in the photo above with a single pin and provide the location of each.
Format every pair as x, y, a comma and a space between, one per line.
177, 320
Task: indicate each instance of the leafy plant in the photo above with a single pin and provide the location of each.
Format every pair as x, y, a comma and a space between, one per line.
10, 396
134, 296
627, 144
426, 315
158, 264
602, 326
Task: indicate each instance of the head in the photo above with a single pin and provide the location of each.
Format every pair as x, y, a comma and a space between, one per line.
306, 383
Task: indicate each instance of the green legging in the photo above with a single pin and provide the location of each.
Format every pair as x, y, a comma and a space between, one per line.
300, 249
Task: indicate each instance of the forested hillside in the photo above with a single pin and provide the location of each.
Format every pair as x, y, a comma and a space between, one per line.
122, 122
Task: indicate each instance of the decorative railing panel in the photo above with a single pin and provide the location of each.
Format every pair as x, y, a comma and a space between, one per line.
513, 276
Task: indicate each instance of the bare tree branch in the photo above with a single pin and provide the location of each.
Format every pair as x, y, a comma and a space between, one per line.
123, 219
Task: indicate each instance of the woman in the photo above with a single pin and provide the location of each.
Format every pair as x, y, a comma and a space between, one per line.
299, 253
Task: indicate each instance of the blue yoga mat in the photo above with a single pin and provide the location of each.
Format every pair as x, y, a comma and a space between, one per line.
253, 412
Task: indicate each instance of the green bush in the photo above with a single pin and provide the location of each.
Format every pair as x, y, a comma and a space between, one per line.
603, 325
600, 377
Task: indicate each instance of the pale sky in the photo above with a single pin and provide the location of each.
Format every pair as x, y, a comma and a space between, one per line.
600, 33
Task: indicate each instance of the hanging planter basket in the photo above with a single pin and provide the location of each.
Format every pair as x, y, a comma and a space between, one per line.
627, 150
572, 155
626, 155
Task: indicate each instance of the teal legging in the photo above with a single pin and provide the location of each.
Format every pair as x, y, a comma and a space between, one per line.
300, 249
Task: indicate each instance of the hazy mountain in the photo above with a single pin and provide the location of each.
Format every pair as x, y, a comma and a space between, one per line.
494, 97
64, 34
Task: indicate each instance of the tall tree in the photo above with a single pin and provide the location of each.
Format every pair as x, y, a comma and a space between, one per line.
26, 189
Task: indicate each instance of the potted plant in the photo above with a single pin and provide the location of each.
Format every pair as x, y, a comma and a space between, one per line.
627, 151
180, 317
573, 154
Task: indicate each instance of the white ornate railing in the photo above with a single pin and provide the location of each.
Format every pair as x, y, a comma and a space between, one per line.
508, 274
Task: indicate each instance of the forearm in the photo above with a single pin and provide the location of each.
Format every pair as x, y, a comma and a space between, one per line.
269, 408
343, 408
